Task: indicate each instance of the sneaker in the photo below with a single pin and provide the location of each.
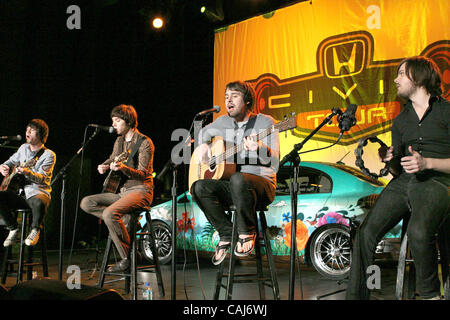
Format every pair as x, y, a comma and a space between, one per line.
11, 237
434, 298
33, 237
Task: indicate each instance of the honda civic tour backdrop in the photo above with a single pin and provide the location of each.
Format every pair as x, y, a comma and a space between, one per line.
314, 56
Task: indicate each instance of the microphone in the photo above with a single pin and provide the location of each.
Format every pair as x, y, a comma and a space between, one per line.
104, 128
347, 120
11, 138
208, 111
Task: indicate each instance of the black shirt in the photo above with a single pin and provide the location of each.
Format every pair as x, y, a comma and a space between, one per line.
429, 136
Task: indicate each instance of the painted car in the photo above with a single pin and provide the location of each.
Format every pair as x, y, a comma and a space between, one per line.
330, 197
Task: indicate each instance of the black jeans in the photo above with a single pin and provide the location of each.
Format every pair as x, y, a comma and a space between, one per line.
427, 203
9, 201
244, 190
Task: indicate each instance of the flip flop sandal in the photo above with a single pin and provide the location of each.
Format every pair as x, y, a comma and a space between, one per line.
252, 238
223, 256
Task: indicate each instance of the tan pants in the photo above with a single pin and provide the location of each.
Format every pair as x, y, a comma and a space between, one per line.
116, 210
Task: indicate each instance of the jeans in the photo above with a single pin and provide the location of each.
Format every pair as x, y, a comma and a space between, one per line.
244, 190
10, 201
116, 211
427, 203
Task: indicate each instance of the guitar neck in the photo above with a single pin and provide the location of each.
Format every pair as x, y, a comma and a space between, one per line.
238, 148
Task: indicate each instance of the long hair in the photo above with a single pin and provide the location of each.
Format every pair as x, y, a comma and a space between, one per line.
245, 89
423, 72
41, 127
127, 113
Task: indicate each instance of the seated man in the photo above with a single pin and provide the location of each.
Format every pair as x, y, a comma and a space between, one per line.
254, 180
36, 183
135, 187
420, 162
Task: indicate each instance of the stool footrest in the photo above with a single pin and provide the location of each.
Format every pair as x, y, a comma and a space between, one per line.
114, 280
146, 267
32, 264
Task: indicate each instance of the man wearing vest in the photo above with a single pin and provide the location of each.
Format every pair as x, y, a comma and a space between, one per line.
134, 191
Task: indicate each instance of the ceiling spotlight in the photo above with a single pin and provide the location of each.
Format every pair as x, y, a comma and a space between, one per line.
214, 13
158, 23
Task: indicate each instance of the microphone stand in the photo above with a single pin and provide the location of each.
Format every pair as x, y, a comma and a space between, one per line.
174, 167
4, 145
294, 158
62, 173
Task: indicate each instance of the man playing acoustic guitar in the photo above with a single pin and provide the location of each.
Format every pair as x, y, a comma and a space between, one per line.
254, 181
129, 186
29, 169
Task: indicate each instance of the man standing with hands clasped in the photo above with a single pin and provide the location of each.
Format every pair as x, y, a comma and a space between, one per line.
419, 159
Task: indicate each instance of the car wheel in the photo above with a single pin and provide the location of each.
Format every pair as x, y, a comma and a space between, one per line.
163, 237
330, 251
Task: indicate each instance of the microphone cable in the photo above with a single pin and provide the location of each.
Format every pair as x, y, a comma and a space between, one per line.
193, 215
331, 145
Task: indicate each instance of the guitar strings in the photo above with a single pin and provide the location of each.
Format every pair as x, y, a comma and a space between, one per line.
235, 149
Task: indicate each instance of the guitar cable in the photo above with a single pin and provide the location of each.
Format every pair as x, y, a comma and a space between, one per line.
195, 244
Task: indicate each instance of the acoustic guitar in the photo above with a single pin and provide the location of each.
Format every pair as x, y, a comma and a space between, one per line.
114, 178
217, 167
15, 181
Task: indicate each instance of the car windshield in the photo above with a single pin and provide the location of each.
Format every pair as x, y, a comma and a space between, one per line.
357, 174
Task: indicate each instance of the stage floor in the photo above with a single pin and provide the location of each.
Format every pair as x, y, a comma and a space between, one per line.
198, 282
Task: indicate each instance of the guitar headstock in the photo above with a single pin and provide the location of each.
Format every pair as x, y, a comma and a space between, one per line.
286, 124
122, 157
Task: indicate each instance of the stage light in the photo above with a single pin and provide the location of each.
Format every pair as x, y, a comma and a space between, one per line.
214, 13
158, 23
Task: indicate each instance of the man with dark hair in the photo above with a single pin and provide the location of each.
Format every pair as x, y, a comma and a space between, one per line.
135, 190
255, 179
420, 162
37, 172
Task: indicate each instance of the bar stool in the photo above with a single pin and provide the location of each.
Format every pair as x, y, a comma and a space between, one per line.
405, 259
131, 274
271, 281
8, 261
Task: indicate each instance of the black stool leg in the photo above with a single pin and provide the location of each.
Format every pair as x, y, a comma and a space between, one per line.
22, 248
29, 262
401, 268
44, 253
6, 257
133, 274
101, 279
273, 274
229, 291
155, 253
219, 277
444, 252
259, 267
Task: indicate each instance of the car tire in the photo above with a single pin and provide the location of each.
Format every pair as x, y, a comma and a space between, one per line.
330, 252
163, 237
